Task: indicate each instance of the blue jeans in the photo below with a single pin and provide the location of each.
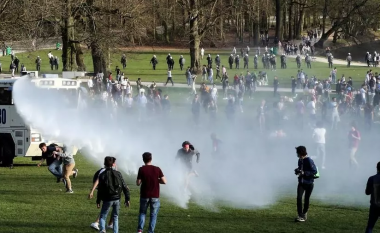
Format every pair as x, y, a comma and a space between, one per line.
115, 214
154, 204
56, 168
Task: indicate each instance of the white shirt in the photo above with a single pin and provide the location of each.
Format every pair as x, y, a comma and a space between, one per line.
124, 84
214, 91
143, 100
128, 89
90, 83
50, 55
129, 102
169, 74
319, 135
311, 107
362, 91
202, 52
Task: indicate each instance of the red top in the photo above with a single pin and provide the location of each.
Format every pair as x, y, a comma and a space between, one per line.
353, 141
150, 185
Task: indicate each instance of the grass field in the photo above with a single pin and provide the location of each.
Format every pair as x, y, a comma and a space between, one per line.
138, 65
32, 202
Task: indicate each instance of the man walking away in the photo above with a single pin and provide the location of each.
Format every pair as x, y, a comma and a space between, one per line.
349, 59
305, 171
154, 62
38, 63
111, 184
169, 78
373, 189
149, 177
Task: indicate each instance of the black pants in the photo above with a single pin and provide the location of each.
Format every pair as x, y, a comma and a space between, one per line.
154, 67
245, 65
301, 189
374, 214
348, 63
231, 66
169, 80
124, 65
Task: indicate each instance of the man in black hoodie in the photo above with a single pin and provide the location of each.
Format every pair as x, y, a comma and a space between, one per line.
111, 184
185, 154
373, 189
306, 172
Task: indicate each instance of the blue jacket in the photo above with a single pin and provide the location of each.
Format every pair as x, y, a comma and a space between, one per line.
307, 165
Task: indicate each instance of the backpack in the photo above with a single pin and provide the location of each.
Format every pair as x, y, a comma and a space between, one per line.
113, 183
62, 147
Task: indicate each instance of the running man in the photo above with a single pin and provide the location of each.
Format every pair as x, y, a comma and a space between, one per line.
185, 154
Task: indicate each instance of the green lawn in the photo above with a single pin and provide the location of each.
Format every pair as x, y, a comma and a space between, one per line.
32, 202
138, 65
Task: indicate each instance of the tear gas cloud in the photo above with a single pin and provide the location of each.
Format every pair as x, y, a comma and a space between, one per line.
253, 171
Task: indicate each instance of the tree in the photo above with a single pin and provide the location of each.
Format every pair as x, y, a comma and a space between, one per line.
201, 16
341, 18
279, 19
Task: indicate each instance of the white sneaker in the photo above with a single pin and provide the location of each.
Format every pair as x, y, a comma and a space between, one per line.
95, 226
110, 226
300, 219
76, 173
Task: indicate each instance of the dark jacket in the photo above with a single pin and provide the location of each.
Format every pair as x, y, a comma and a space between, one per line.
373, 189
102, 192
308, 167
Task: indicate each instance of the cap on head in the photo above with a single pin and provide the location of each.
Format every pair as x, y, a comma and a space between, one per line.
301, 150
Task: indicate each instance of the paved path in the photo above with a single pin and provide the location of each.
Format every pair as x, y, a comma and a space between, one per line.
197, 86
336, 61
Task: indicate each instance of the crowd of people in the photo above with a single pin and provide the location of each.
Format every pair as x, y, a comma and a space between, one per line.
317, 108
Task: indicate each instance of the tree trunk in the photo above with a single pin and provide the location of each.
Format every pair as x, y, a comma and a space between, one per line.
290, 13
98, 59
79, 57
324, 18
284, 24
195, 38
300, 23
166, 31
279, 19
67, 36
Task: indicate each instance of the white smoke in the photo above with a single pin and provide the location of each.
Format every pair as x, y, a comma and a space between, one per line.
253, 172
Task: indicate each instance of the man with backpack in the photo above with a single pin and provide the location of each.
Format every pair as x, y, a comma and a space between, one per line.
111, 184
149, 177
95, 182
373, 189
306, 172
